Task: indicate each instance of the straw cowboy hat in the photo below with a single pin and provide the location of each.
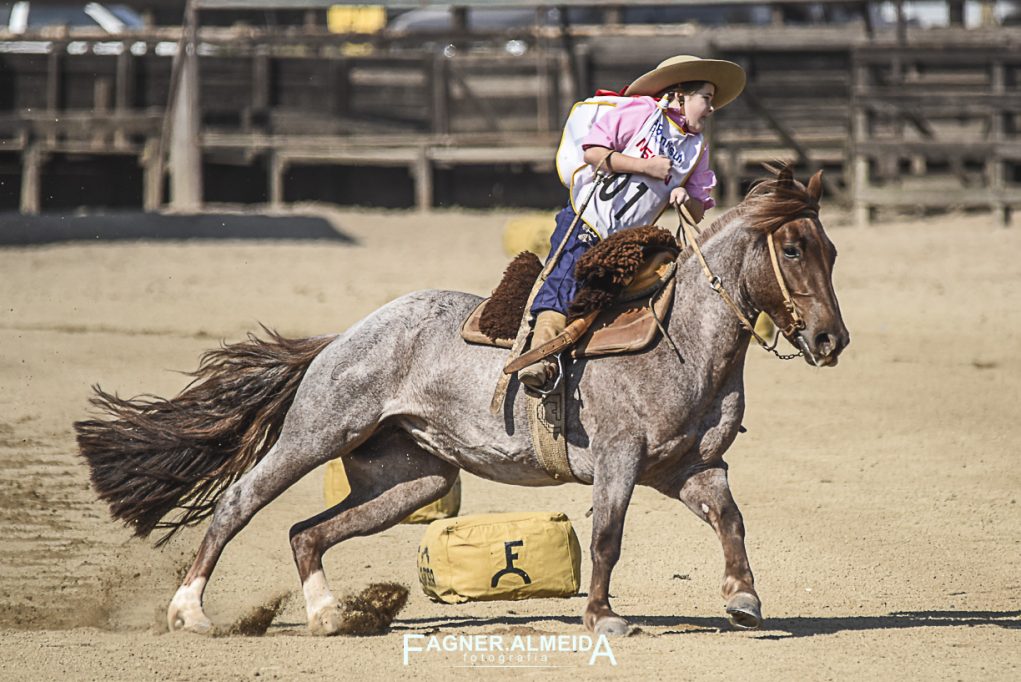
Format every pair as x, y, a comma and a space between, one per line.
728, 77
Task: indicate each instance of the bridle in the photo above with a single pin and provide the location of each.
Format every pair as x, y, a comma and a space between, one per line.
791, 331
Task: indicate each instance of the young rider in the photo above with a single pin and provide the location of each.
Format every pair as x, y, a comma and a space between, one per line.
653, 145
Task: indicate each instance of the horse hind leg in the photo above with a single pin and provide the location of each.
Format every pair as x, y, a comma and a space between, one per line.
390, 477
292, 457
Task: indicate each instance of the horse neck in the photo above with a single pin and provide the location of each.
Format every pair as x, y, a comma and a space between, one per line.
700, 313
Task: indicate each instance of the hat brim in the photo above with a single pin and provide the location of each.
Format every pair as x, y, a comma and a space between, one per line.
728, 77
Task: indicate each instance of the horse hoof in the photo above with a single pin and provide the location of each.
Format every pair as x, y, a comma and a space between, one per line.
199, 626
326, 622
613, 626
202, 627
744, 611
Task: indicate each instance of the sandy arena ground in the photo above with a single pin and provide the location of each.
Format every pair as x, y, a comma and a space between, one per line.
880, 497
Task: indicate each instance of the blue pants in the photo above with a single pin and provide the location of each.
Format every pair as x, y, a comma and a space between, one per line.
559, 288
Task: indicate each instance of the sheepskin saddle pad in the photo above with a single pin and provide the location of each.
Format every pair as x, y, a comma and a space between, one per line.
627, 278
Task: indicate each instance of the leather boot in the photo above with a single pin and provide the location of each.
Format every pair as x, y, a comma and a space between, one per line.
548, 325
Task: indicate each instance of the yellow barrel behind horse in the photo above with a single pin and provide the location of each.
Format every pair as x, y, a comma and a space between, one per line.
529, 232
336, 488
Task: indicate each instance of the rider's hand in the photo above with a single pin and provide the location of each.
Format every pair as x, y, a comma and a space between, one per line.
678, 196
658, 167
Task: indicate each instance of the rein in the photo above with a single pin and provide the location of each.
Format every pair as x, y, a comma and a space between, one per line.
716, 284
496, 404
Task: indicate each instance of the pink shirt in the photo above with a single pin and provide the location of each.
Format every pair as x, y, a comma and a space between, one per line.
615, 129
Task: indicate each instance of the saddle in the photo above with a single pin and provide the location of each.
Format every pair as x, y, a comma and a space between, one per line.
625, 291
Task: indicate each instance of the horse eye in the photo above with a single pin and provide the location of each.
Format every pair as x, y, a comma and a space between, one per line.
791, 251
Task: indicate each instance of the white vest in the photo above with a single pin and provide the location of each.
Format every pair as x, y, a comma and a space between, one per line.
625, 200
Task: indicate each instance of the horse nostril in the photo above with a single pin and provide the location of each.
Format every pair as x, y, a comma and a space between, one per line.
825, 343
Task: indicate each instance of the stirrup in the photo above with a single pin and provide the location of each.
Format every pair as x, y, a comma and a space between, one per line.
556, 380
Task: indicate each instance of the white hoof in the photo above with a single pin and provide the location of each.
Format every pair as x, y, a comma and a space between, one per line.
179, 621
612, 626
185, 610
327, 621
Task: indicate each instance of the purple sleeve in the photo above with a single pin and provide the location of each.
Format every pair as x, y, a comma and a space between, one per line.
615, 129
702, 180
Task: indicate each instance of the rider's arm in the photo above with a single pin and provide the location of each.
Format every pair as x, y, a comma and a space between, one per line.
656, 167
614, 131
701, 182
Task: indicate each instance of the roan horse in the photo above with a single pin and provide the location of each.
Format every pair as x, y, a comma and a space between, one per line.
404, 402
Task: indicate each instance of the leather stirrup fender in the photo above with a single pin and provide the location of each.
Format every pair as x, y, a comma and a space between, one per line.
565, 339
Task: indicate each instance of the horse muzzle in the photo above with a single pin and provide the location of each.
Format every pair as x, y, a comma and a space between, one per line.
823, 349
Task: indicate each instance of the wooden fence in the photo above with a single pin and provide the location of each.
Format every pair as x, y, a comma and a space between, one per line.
927, 122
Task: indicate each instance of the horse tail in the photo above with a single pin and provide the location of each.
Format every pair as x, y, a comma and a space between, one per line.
151, 456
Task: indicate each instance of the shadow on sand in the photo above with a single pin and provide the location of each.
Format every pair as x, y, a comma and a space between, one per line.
49, 228
773, 628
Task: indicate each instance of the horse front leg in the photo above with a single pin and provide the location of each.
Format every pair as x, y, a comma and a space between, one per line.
612, 486
707, 494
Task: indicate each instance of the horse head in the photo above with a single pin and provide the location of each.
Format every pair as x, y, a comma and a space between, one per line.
790, 274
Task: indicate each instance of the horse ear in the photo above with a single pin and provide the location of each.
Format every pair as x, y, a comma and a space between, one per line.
815, 186
785, 178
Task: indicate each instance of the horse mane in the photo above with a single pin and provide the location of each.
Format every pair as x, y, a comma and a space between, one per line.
770, 203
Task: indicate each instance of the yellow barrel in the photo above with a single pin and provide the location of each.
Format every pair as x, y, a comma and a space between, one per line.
529, 232
336, 488
500, 556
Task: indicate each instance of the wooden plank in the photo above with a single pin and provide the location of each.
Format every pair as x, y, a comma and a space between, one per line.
939, 149
412, 4
490, 155
941, 198
353, 157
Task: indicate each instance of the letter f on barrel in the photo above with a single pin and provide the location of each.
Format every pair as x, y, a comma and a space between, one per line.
508, 550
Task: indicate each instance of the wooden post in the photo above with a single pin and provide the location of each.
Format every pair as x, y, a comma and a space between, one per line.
185, 154
438, 95
553, 90
31, 170
124, 94
859, 164
53, 81
340, 86
423, 173
567, 87
571, 70
902, 23
152, 176
732, 190
995, 162
102, 92
277, 168
53, 61
583, 64
988, 13
955, 12
870, 29
542, 90
260, 86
